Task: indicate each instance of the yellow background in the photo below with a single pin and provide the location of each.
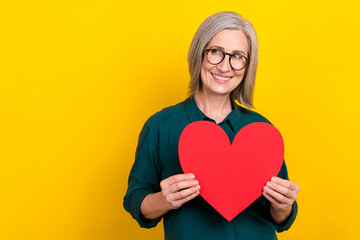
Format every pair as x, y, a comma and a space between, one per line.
79, 78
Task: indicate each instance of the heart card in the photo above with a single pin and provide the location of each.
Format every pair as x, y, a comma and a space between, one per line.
231, 176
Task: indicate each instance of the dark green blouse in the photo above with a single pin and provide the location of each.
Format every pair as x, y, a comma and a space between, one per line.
157, 159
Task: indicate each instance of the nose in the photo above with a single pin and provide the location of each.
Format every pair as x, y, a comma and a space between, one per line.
225, 66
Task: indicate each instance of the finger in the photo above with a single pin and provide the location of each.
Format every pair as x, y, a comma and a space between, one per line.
175, 178
285, 183
277, 196
272, 200
184, 193
178, 186
280, 189
188, 198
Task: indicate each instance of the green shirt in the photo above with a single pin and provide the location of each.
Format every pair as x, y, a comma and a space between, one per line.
157, 159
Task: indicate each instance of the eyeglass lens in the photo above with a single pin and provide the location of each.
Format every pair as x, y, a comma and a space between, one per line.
215, 56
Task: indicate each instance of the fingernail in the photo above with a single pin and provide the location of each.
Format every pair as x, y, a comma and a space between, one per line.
192, 176
269, 184
198, 187
273, 179
266, 188
196, 182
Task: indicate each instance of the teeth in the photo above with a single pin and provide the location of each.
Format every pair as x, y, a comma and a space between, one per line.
220, 78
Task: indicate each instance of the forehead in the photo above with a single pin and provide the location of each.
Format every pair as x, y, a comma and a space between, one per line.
230, 40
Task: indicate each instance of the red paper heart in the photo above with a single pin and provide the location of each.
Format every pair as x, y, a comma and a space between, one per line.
231, 176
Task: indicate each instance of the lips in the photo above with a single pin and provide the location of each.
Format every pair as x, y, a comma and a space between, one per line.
221, 78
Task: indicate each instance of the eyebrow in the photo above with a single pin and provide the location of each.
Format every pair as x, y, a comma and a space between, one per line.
235, 51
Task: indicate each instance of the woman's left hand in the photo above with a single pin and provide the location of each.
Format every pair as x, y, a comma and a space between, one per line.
282, 194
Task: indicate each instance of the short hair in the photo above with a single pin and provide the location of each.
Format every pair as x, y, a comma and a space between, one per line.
207, 30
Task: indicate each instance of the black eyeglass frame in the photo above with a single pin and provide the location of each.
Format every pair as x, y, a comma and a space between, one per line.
206, 51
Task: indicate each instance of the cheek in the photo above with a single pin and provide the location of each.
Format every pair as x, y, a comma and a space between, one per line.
206, 68
202, 75
204, 71
241, 75
240, 79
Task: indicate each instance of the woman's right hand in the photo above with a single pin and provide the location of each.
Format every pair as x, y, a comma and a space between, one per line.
175, 191
179, 189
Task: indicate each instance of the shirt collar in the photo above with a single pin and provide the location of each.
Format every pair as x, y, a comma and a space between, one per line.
195, 114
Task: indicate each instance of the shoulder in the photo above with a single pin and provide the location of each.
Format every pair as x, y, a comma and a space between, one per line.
166, 115
250, 115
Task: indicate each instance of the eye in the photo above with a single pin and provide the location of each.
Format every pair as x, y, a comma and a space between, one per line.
215, 51
238, 56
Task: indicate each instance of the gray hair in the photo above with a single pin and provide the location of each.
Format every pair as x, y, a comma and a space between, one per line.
207, 30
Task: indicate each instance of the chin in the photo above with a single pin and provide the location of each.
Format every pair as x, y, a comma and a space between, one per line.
222, 90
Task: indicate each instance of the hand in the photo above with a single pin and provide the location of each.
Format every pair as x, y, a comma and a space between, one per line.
282, 194
179, 189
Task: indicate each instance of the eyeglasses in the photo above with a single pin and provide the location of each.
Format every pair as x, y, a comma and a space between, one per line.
216, 56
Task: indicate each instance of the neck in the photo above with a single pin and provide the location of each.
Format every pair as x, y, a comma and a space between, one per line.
215, 106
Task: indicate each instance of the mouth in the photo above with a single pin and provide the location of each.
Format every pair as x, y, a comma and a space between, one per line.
221, 78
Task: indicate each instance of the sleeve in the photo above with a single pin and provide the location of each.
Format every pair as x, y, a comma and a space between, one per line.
144, 176
285, 225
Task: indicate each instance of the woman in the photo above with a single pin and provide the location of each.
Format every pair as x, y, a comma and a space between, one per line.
222, 62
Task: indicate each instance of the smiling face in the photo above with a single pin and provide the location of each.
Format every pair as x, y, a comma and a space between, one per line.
222, 78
